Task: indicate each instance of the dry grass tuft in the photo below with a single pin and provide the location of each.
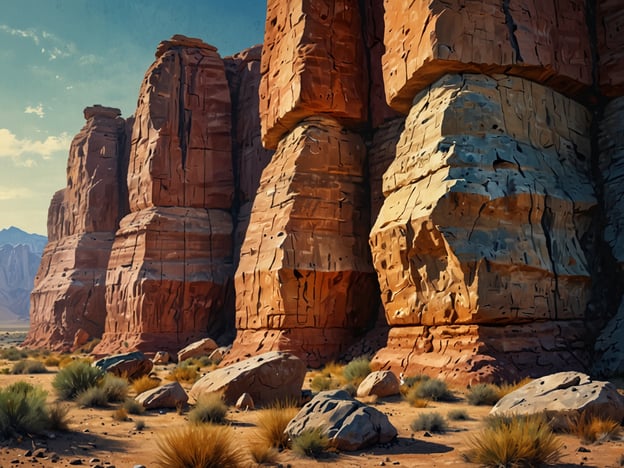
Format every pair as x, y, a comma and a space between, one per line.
514, 441
310, 443
143, 384
592, 428
120, 414
272, 422
263, 454
183, 373
205, 446
210, 408
506, 388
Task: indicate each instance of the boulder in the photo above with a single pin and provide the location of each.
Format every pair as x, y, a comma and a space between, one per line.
269, 377
245, 402
218, 354
129, 365
349, 424
203, 347
379, 383
564, 392
161, 358
170, 395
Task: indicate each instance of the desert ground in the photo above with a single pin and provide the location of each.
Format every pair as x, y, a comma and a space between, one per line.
95, 439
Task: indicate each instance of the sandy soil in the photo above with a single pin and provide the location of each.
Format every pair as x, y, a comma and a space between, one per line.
96, 440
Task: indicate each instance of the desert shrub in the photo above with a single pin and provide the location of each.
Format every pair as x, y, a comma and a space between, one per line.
413, 398
58, 419
132, 406
457, 415
144, 383
92, 397
205, 446
115, 388
357, 370
592, 428
272, 422
183, 373
52, 361
210, 408
13, 354
433, 389
350, 388
28, 366
514, 441
310, 443
263, 454
321, 382
413, 380
75, 378
23, 410
432, 422
120, 414
483, 394
139, 425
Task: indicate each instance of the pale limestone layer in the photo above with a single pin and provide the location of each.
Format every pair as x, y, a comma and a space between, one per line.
313, 62
304, 266
543, 40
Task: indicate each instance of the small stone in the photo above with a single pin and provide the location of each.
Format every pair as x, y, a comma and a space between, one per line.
583, 450
76, 461
427, 434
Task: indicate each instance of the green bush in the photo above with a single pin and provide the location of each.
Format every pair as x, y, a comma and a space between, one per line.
357, 369
13, 354
115, 388
483, 394
210, 408
92, 397
23, 410
514, 441
458, 415
310, 443
133, 407
57, 417
321, 382
28, 366
433, 389
413, 380
74, 379
432, 422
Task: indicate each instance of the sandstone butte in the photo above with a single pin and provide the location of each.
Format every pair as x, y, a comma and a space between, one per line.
438, 185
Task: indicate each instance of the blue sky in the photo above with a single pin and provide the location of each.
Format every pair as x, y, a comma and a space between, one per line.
59, 56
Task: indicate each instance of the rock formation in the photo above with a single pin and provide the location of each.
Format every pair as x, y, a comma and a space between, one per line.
18, 267
171, 262
68, 297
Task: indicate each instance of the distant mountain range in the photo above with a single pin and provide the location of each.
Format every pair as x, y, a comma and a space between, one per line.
20, 255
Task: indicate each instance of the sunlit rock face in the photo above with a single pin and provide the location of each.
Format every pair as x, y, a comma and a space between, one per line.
171, 262
68, 297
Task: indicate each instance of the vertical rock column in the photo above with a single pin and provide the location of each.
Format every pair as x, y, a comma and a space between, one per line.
305, 282
479, 243
171, 263
68, 301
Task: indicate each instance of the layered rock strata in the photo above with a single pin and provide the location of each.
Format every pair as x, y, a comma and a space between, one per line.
313, 62
487, 202
304, 282
68, 300
541, 40
171, 262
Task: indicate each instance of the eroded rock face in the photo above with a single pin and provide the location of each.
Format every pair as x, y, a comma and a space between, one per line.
305, 282
313, 62
545, 41
171, 262
68, 297
487, 201
609, 25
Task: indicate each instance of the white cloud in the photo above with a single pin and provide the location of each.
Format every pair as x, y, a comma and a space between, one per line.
27, 33
38, 110
19, 149
15, 193
55, 47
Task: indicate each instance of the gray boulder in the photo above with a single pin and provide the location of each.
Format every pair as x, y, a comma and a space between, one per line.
564, 392
379, 383
170, 395
267, 378
129, 365
349, 424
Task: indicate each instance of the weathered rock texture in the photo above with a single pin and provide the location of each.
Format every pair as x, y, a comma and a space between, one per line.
487, 201
313, 62
171, 262
68, 297
304, 282
542, 40
610, 24
18, 267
